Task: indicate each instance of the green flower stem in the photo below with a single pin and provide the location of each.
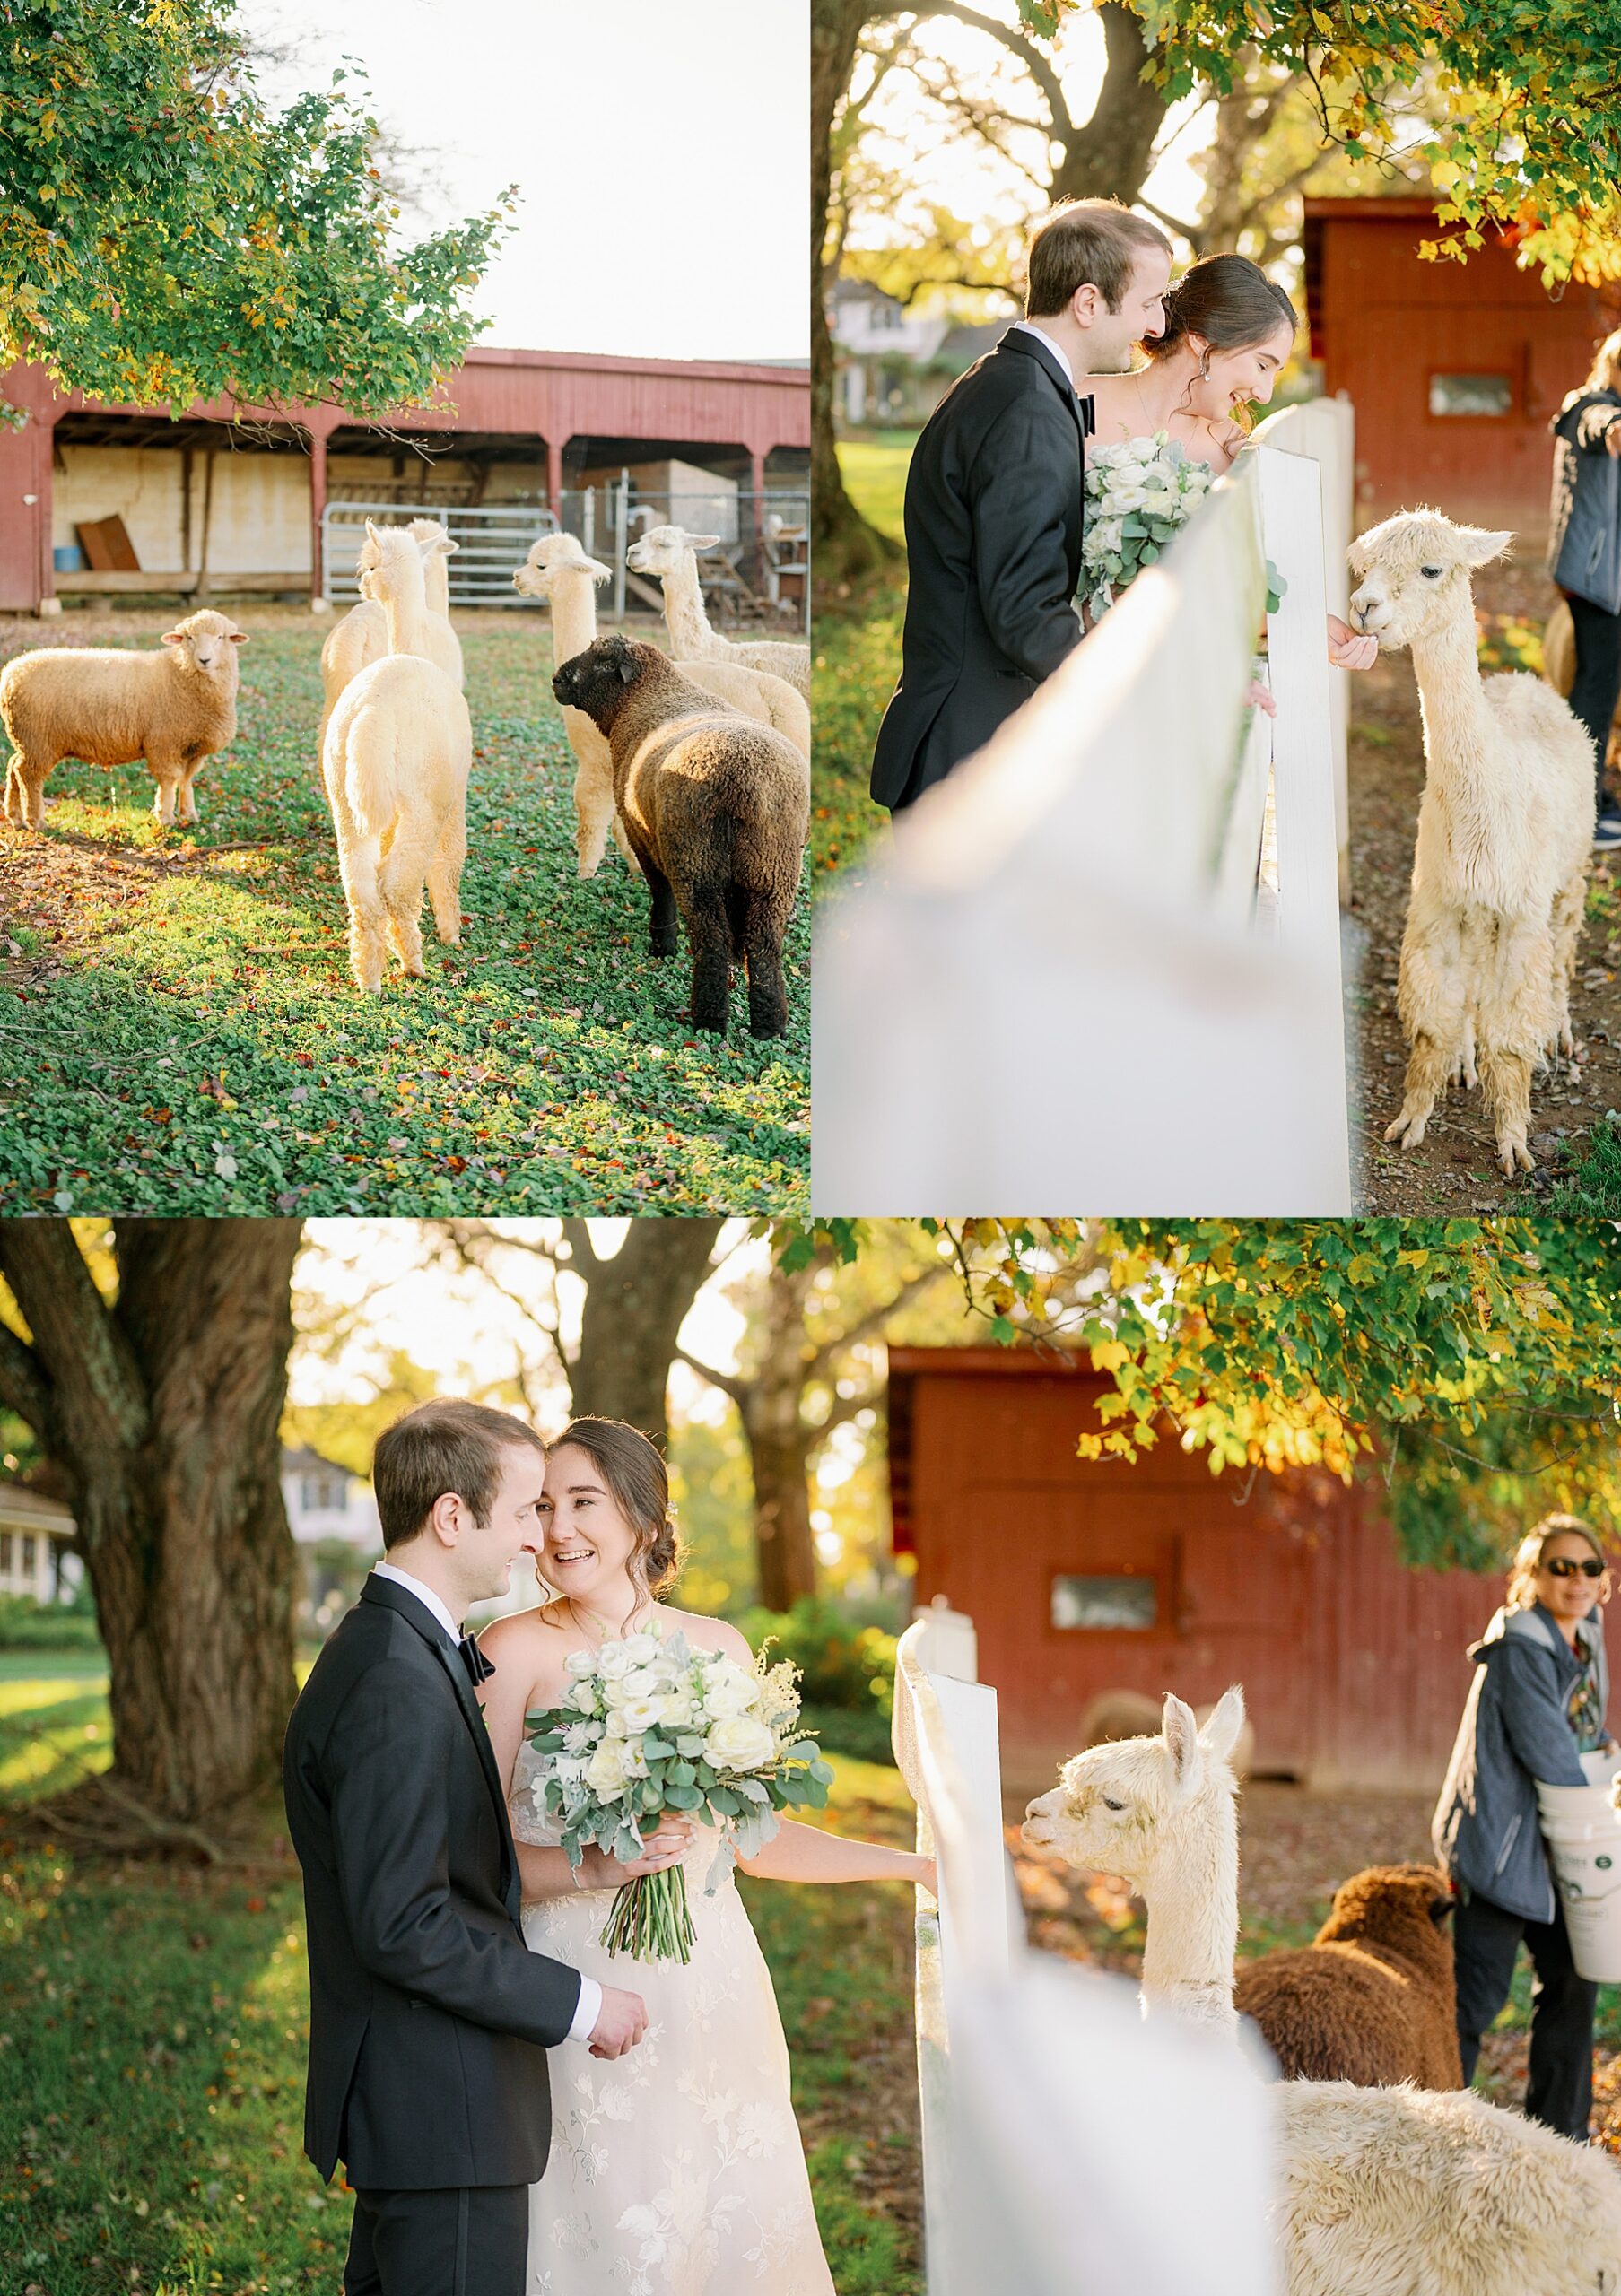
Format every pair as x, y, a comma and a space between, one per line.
649, 1919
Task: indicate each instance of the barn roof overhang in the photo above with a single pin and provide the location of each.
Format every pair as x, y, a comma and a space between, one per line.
1415, 211
907, 1364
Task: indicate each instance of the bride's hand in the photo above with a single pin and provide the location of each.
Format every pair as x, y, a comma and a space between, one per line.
659, 1851
927, 1878
1350, 649
1258, 696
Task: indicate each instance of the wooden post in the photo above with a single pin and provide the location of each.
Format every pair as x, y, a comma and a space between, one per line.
201, 592
318, 504
554, 477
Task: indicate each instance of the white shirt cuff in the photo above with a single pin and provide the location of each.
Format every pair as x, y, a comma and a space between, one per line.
587, 2010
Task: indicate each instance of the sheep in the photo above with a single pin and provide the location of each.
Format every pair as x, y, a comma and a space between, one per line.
671, 554
1372, 1999
717, 809
362, 637
1382, 2192
558, 568
395, 760
173, 708
1504, 832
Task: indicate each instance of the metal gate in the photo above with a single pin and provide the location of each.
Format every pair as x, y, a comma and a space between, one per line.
490, 542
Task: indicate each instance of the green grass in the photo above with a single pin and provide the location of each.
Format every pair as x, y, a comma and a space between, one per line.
153, 2027
1593, 1190
855, 663
192, 1042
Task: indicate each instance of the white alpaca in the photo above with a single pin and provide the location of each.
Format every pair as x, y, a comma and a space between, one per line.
1384, 2192
395, 759
1504, 832
671, 554
362, 637
558, 568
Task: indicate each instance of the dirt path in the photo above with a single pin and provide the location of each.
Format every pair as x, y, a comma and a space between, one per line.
1455, 1170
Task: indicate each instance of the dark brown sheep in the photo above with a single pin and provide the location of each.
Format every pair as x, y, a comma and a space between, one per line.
715, 808
1372, 1999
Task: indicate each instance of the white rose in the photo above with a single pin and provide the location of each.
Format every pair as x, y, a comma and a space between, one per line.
582, 1699
739, 1741
613, 1659
1159, 501
730, 1691
641, 1648
638, 1713
618, 1728
643, 1681
675, 1706
580, 1661
605, 1772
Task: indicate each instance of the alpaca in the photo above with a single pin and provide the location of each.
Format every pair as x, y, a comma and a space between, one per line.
717, 809
399, 748
1372, 1999
1382, 2192
362, 637
671, 554
1116, 1714
174, 708
1504, 832
558, 568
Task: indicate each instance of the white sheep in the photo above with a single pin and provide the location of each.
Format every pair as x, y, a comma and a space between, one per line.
1505, 830
362, 637
671, 554
1384, 2192
557, 568
398, 751
173, 708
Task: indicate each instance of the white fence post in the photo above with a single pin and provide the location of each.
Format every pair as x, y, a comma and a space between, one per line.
1051, 988
1055, 2120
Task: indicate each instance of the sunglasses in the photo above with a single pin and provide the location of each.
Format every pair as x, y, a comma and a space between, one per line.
1565, 1566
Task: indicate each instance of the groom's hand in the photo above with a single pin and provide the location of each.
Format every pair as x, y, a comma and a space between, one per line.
620, 2024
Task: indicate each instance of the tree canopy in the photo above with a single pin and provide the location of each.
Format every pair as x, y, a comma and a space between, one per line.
1472, 1367
166, 236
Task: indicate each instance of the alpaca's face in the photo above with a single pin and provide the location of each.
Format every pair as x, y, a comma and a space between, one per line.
1412, 574
551, 559
366, 566
384, 555
663, 549
1120, 1805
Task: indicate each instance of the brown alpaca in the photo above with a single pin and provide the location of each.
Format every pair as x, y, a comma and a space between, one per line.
1372, 1999
715, 808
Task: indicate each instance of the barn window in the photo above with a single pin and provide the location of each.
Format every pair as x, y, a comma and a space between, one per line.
1117, 1602
1471, 394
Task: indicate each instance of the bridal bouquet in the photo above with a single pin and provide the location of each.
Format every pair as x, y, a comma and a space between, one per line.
649, 1725
1137, 494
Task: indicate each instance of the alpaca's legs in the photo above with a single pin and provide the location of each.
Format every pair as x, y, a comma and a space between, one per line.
444, 878
1465, 1072
1570, 904
357, 861
594, 815
1517, 1018
1432, 1001
621, 839
400, 883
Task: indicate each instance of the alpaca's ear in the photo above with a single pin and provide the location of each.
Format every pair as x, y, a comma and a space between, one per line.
1480, 546
1220, 1734
704, 541
1180, 1732
445, 548
372, 533
1356, 559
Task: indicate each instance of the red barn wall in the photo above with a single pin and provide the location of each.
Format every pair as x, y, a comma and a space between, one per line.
1353, 1665
1383, 322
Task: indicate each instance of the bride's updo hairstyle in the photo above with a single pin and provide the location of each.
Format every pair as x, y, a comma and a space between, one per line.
635, 1476
1226, 300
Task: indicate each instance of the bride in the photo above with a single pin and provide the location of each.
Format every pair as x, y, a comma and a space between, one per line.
678, 2169
1228, 332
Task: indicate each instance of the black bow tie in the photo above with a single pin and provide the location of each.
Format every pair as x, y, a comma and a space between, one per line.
1088, 417
477, 1666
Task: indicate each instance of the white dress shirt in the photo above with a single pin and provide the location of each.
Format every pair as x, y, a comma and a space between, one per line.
1029, 327
588, 2007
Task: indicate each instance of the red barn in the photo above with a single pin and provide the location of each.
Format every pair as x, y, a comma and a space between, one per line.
1455, 369
1083, 1579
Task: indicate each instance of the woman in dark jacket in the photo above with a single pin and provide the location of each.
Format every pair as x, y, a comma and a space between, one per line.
1584, 553
1535, 1707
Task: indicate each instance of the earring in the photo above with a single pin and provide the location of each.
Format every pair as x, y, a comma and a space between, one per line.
1204, 367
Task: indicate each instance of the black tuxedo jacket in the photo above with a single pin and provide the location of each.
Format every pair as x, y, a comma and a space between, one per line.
429, 2017
993, 538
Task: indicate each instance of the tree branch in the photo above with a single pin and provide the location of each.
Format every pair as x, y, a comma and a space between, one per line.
873, 1320
23, 1387
729, 1382
98, 1393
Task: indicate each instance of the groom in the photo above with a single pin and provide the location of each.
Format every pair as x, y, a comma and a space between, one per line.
994, 495
429, 2019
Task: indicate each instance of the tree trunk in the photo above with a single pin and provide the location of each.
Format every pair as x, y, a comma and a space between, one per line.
635, 1306
779, 1443
162, 1414
1109, 157
844, 544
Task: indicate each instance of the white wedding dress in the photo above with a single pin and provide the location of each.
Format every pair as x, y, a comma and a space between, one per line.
678, 2169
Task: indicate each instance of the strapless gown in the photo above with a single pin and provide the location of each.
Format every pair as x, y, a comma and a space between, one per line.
678, 2169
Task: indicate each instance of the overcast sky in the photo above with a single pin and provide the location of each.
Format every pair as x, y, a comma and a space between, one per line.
661, 146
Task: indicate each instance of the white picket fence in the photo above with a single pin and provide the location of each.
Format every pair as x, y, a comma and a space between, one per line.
1098, 968
1069, 2148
